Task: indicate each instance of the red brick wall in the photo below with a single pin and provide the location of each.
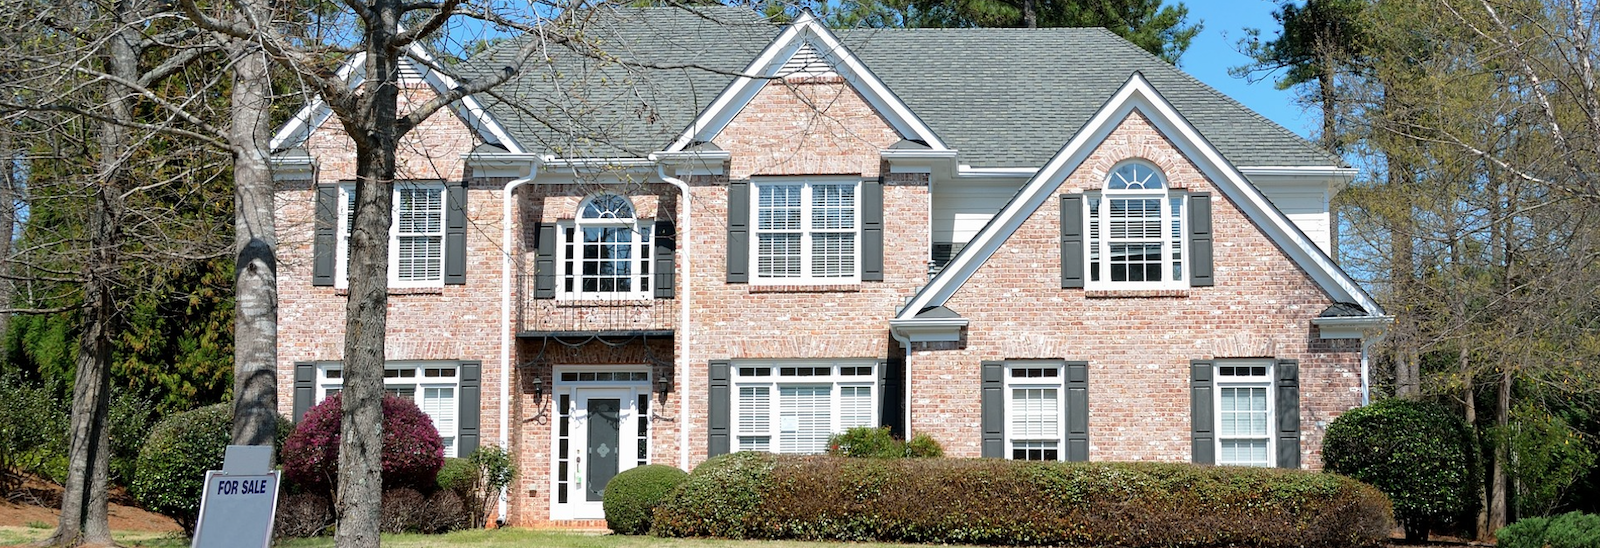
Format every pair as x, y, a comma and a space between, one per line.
1138, 348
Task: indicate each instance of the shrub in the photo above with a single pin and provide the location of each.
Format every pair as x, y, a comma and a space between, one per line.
495, 470
401, 510
869, 442
129, 419
33, 436
173, 462
302, 515
631, 497
412, 451
458, 475
444, 512
1569, 530
1416, 452
990, 501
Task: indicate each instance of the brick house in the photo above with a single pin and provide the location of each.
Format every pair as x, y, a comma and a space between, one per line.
1029, 244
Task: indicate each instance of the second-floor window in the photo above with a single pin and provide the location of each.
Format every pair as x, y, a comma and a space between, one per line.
806, 232
416, 235
605, 251
1136, 230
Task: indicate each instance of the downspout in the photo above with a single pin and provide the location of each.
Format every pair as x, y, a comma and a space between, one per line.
684, 295
506, 246
1367, 342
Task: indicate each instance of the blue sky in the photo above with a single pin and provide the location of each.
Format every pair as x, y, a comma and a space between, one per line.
1213, 52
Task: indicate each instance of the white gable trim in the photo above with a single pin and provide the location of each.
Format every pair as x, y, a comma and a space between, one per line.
806, 30
1137, 95
469, 109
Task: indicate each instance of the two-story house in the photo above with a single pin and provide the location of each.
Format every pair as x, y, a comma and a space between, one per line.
699, 232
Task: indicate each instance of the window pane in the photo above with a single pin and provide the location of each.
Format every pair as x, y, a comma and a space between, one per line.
833, 255
755, 409
778, 207
1244, 453
855, 406
804, 419
1035, 413
833, 207
778, 256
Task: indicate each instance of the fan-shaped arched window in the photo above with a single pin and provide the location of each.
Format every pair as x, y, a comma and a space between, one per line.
606, 251
1136, 229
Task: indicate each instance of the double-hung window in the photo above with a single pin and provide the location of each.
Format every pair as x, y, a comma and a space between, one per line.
1034, 399
416, 234
605, 251
796, 407
807, 232
1244, 410
1136, 230
434, 386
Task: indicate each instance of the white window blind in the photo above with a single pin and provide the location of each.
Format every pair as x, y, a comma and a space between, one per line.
1243, 426
855, 406
419, 233
1035, 414
804, 418
833, 225
755, 418
440, 405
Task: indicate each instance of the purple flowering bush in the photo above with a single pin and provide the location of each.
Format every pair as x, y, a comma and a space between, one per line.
412, 451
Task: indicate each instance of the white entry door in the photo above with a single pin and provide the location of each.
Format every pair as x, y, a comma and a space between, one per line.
600, 431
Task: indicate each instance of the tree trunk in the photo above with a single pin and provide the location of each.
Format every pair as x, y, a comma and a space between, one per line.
361, 429
1407, 381
1470, 414
255, 241
8, 223
1499, 486
84, 518
1030, 14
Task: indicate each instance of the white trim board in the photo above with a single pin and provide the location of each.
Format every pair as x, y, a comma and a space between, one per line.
469, 110
806, 30
1137, 95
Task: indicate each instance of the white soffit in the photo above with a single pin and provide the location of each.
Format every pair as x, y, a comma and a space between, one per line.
1137, 95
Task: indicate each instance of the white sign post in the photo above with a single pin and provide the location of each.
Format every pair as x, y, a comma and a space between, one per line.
239, 501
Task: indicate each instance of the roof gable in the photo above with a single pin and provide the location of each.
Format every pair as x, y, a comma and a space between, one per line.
797, 50
1138, 95
416, 64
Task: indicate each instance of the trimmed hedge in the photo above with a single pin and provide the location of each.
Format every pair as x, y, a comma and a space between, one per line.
1416, 452
1569, 530
172, 464
631, 497
999, 502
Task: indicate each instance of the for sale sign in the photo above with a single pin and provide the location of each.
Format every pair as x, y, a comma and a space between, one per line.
237, 509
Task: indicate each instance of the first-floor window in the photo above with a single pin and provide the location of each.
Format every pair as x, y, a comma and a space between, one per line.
796, 407
1033, 409
1244, 404
433, 386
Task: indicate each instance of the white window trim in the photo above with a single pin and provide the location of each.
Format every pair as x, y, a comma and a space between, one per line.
642, 260
1165, 196
1247, 381
775, 382
806, 232
341, 274
418, 383
1057, 382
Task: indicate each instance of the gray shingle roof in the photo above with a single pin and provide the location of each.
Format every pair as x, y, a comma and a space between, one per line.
1002, 97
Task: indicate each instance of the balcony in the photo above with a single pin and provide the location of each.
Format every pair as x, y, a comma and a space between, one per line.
582, 318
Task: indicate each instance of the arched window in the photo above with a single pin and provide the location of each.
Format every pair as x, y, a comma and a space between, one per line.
1136, 230
606, 251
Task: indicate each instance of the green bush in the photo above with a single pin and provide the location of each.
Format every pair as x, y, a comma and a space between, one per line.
1416, 452
1569, 530
878, 443
458, 475
175, 458
999, 502
33, 435
631, 497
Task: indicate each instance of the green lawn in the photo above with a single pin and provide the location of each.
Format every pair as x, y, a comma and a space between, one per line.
482, 538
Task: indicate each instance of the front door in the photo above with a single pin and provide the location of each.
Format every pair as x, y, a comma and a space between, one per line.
601, 429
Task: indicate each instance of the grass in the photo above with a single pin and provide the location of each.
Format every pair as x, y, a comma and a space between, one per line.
506, 538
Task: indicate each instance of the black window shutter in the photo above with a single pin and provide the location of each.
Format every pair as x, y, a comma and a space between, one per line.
993, 410
455, 233
719, 431
739, 232
872, 230
1072, 241
666, 239
324, 248
891, 395
305, 388
544, 263
1200, 271
468, 435
1202, 431
1077, 410
1288, 413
